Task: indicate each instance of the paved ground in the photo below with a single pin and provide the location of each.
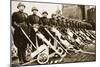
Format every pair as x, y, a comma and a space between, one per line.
78, 57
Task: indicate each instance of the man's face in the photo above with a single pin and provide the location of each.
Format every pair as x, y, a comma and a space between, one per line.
44, 15
64, 20
35, 11
21, 8
54, 16
59, 18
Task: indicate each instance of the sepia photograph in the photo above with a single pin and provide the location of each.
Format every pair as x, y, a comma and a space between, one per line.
51, 33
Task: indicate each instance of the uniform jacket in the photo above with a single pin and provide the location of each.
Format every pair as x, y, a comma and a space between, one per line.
44, 21
53, 22
33, 19
19, 18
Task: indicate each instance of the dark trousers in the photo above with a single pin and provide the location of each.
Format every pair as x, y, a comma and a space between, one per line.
20, 42
21, 54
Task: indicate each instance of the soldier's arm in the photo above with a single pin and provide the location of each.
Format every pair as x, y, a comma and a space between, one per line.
13, 23
50, 22
29, 21
26, 15
40, 22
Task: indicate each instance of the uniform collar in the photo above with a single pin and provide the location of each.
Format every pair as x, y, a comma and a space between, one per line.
54, 19
34, 14
44, 17
20, 11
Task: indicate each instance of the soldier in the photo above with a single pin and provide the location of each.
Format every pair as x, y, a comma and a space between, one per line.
63, 21
33, 20
44, 20
67, 22
53, 23
19, 20
53, 20
59, 20
63, 24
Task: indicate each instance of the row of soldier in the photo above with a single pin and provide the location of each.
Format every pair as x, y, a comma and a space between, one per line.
28, 22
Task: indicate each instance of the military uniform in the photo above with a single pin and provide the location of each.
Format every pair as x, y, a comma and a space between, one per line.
20, 41
32, 21
34, 18
67, 23
45, 22
53, 22
63, 22
59, 21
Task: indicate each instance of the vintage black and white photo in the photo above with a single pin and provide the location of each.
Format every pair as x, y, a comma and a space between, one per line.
52, 33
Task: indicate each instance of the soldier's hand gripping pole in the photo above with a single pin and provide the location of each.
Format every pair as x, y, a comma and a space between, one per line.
28, 37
